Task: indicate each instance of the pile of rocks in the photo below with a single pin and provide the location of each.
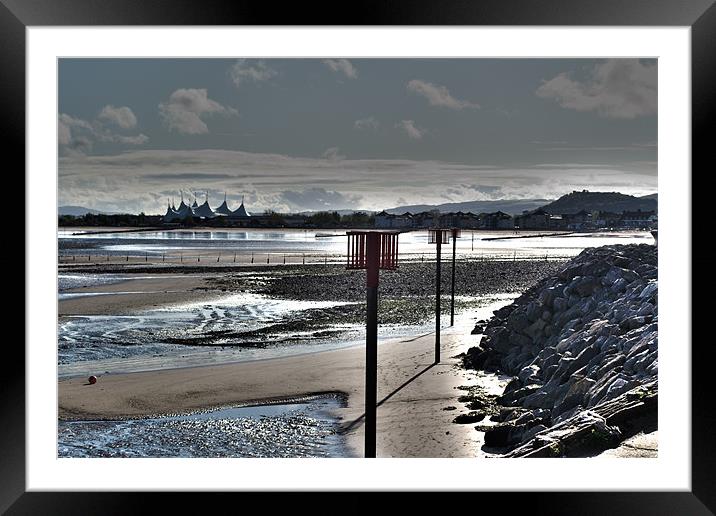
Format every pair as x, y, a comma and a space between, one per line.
582, 347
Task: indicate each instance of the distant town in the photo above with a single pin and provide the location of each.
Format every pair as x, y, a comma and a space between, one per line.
599, 210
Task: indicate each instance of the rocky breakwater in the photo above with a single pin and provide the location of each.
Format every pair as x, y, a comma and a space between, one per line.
582, 347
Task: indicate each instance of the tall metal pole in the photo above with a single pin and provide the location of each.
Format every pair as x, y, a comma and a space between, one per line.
439, 238
371, 342
452, 282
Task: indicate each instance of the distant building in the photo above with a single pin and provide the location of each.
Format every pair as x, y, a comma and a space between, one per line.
605, 219
638, 219
223, 210
496, 220
557, 222
171, 215
466, 220
204, 212
385, 220
535, 219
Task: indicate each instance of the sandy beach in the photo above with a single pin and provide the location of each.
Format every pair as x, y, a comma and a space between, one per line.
132, 295
412, 393
418, 399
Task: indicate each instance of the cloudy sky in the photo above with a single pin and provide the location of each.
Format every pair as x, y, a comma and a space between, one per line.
311, 134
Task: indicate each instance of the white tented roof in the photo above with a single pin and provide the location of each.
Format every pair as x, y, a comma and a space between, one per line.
204, 211
223, 209
240, 212
171, 215
184, 211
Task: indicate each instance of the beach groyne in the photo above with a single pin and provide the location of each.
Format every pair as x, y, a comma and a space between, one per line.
582, 347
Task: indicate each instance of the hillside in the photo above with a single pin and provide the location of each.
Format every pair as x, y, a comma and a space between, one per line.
76, 211
603, 201
513, 206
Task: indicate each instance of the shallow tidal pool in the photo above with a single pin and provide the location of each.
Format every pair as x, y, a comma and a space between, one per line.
306, 429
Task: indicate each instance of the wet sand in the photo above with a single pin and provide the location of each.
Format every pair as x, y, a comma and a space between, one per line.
414, 392
134, 295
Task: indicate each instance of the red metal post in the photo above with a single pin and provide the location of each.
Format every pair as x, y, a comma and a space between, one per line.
439, 241
371, 342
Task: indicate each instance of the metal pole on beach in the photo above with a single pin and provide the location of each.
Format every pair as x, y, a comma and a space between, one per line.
452, 281
371, 251
371, 343
439, 240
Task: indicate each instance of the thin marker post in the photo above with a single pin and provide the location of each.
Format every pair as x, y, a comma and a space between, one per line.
438, 261
455, 235
371, 343
437, 237
372, 251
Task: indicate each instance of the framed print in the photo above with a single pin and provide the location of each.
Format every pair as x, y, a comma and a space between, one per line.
411, 250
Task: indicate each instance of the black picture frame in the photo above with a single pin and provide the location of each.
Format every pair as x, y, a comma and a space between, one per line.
699, 15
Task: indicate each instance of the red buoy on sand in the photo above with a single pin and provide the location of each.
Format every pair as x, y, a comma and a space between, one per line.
92, 379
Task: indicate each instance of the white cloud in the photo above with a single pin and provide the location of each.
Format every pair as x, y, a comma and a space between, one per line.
75, 123
242, 71
333, 154
76, 136
184, 110
122, 117
439, 95
64, 135
343, 66
319, 199
367, 123
127, 181
572, 165
140, 139
618, 88
411, 129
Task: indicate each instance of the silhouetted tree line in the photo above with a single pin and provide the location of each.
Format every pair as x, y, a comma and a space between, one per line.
321, 219
333, 219
124, 219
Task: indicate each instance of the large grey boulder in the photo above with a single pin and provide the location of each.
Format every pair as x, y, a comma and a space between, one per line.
576, 341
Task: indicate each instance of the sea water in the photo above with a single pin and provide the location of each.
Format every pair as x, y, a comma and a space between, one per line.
307, 429
412, 244
152, 339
